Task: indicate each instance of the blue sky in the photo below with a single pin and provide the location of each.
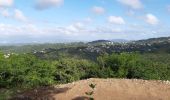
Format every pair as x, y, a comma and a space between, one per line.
82, 20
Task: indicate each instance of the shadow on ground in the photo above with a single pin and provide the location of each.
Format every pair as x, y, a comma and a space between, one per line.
43, 93
81, 98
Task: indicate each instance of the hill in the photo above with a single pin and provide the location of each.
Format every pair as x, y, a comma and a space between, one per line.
94, 49
106, 89
98, 47
98, 42
154, 40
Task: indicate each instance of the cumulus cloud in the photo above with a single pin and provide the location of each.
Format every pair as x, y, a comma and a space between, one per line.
30, 30
5, 13
75, 31
74, 28
98, 10
44, 4
18, 15
151, 19
134, 4
15, 14
116, 20
9, 30
6, 3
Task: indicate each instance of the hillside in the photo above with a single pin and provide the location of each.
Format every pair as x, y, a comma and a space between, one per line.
106, 89
154, 40
94, 48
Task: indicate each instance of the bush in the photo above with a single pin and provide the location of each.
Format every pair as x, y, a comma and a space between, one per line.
120, 64
133, 65
25, 71
70, 69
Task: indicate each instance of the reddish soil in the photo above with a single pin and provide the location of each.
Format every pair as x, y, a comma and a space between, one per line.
106, 89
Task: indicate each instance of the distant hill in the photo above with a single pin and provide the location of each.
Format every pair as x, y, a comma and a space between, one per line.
99, 41
109, 41
154, 40
119, 40
92, 49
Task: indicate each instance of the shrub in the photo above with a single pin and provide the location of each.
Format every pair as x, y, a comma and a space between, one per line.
25, 70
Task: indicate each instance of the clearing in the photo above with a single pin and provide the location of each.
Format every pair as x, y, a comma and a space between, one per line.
106, 89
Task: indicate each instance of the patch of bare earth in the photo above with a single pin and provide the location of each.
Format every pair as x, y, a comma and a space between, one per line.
106, 89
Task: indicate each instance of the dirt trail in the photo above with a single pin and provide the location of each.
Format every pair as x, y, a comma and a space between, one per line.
106, 89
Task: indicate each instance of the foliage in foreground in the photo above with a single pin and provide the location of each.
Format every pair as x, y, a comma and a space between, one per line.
25, 71
134, 65
28, 71
91, 92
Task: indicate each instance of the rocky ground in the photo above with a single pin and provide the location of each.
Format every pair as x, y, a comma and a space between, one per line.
106, 89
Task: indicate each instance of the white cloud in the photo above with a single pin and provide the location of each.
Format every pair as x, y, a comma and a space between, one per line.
6, 3
29, 30
134, 4
76, 27
15, 14
12, 13
116, 20
98, 10
5, 13
75, 31
44, 4
88, 20
18, 15
8, 30
151, 19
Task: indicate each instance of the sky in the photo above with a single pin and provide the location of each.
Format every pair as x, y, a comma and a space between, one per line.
27, 21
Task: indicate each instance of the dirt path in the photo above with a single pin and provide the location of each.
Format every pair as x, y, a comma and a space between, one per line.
106, 89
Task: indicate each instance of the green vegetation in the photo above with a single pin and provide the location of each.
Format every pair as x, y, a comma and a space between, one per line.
26, 70
67, 63
134, 65
91, 92
27, 48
